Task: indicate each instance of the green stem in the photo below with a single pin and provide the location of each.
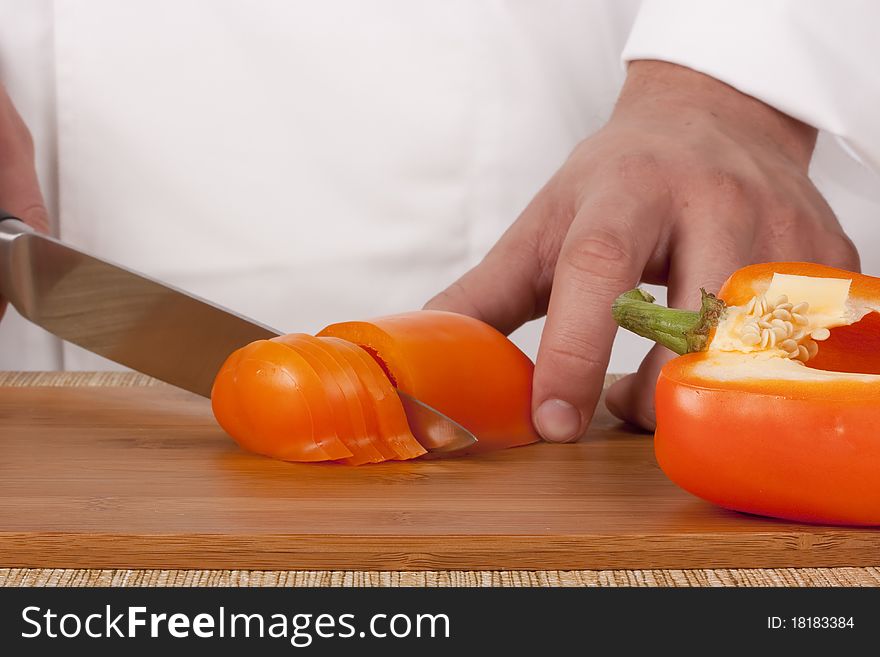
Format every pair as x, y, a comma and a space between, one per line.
682, 331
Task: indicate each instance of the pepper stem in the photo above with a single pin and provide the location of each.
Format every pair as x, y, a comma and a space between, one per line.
682, 331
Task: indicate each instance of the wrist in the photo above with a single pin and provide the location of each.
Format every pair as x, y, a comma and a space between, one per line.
663, 91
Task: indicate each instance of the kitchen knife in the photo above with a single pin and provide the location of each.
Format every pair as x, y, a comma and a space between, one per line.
149, 326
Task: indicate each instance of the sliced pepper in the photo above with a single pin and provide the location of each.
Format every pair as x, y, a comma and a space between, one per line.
392, 427
332, 397
457, 364
271, 401
343, 394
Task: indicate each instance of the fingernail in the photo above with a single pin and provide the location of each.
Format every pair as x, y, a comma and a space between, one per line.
557, 421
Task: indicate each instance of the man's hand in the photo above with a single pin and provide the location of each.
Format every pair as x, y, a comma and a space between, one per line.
19, 188
688, 181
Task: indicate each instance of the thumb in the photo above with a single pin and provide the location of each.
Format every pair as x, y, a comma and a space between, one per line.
510, 285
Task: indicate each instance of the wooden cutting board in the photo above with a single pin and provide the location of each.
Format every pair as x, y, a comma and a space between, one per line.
143, 478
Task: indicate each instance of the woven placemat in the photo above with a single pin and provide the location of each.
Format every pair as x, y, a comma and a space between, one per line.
516, 578
77, 379
146, 578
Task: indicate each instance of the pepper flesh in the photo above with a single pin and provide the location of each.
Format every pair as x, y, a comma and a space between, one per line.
265, 393
331, 397
456, 364
760, 433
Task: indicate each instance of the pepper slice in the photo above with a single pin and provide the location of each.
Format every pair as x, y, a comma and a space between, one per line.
342, 392
457, 364
333, 397
777, 412
271, 401
391, 424
225, 401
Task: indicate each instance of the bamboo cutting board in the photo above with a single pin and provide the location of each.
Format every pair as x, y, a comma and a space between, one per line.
143, 478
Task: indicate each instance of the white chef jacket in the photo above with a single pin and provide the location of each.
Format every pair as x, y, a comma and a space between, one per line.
304, 163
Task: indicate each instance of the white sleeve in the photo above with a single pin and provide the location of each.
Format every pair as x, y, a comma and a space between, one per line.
815, 60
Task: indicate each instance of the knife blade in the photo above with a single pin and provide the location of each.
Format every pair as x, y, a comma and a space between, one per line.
149, 326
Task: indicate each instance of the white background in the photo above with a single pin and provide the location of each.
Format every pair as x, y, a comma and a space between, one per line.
304, 163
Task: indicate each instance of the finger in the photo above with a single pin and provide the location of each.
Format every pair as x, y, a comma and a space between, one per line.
831, 246
632, 397
19, 187
838, 250
805, 233
603, 255
511, 284
704, 257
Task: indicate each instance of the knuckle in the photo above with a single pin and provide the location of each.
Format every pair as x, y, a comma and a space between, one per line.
530, 254
726, 183
517, 249
546, 256
533, 242
785, 224
643, 173
637, 165
842, 251
597, 251
36, 216
574, 353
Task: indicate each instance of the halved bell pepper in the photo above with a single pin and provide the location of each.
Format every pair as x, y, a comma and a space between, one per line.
774, 406
331, 397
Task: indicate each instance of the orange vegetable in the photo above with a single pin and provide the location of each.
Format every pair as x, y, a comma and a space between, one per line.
767, 426
459, 365
266, 392
332, 397
344, 391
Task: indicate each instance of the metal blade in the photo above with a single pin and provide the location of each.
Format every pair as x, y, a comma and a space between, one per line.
436, 432
116, 313
151, 327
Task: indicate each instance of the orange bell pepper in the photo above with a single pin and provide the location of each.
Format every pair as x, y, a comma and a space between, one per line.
459, 365
266, 391
331, 397
774, 406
